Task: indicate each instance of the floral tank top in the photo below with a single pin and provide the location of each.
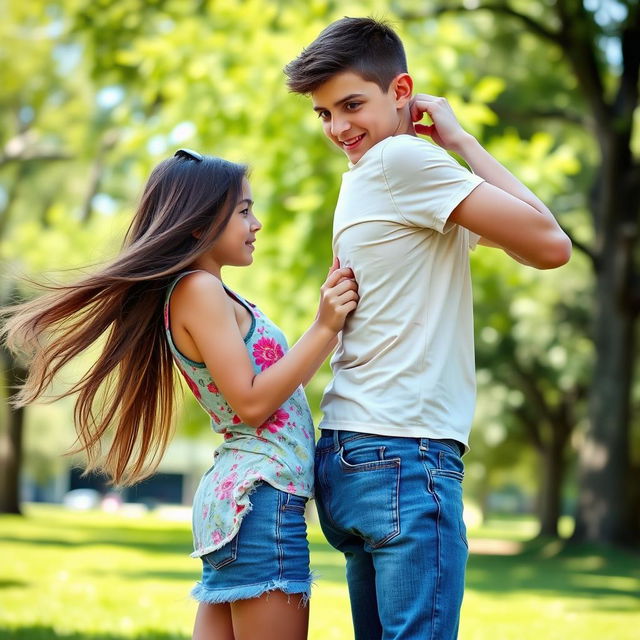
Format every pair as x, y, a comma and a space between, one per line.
279, 452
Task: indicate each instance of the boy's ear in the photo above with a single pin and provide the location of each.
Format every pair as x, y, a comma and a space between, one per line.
402, 86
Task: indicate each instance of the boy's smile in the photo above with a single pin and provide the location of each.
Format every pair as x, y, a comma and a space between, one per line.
356, 114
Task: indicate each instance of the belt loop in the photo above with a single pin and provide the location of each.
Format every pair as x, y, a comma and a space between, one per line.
336, 440
424, 444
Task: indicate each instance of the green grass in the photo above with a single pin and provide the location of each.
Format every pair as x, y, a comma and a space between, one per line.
98, 576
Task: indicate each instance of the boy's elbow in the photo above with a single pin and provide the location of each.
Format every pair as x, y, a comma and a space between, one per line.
556, 254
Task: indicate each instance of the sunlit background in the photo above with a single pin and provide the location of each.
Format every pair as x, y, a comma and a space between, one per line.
94, 93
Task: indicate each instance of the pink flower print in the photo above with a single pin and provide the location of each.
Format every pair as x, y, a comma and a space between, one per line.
212, 388
216, 537
236, 419
261, 330
291, 488
239, 508
193, 386
205, 511
224, 490
266, 351
275, 422
227, 435
214, 417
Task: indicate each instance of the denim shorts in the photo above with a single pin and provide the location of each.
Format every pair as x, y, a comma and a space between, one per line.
270, 552
393, 506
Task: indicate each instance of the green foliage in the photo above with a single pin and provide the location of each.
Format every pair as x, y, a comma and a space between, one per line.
97, 92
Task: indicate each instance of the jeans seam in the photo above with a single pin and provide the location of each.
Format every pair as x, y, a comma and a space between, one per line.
436, 591
278, 537
347, 467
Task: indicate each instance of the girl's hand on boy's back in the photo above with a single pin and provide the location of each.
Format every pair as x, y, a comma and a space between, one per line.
338, 297
445, 130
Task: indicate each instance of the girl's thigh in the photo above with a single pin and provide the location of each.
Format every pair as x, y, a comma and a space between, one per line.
213, 622
272, 616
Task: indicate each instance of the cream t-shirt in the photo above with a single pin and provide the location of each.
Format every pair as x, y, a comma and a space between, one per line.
404, 365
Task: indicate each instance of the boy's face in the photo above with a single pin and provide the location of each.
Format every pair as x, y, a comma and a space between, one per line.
356, 114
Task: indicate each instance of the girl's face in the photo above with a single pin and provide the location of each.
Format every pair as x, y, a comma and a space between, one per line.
234, 247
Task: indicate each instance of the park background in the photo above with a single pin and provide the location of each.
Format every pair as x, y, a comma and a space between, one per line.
94, 93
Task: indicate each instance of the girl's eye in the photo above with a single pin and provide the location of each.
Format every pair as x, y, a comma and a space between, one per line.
244, 212
324, 115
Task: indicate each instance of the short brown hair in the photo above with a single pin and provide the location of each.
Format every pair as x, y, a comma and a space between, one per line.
368, 47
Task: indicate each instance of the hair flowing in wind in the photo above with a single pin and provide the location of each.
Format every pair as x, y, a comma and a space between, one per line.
128, 393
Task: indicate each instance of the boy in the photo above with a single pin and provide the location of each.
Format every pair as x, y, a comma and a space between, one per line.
398, 411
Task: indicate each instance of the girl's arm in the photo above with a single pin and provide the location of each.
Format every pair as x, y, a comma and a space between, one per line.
502, 210
206, 312
331, 345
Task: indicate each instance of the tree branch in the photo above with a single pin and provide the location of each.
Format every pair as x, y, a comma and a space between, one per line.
109, 140
574, 39
542, 114
590, 253
34, 156
531, 24
627, 97
25, 147
579, 47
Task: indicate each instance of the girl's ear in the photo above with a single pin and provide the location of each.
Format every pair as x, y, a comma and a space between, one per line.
402, 87
197, 234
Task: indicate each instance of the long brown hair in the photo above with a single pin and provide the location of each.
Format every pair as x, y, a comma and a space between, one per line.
129, 391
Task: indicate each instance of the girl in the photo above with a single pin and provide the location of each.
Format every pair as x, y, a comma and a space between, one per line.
162, 301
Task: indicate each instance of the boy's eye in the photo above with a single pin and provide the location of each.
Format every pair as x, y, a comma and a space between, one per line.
352, 106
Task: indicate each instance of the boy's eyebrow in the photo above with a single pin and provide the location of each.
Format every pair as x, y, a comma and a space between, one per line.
351, 96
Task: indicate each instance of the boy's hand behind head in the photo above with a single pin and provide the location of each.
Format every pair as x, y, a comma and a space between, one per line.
445, 130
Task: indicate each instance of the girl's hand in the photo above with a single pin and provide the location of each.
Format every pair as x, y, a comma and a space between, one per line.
338, 297
445, 130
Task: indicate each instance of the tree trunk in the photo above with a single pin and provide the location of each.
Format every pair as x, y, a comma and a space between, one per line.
552, 471
603, 514
604, 506
11, 462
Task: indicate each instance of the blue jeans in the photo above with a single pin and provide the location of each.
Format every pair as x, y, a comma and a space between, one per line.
393, 506
269, 552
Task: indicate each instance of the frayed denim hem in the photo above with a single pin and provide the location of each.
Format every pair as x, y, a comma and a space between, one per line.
246, 592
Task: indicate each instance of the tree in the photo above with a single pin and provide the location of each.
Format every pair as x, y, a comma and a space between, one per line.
599, 44
114, 87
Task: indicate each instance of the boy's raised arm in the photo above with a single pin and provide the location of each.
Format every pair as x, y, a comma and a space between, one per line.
504, 212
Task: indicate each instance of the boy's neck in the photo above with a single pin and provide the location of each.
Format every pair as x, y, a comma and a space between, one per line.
405, 126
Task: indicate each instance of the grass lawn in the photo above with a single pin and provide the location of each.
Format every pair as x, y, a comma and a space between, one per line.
99, 576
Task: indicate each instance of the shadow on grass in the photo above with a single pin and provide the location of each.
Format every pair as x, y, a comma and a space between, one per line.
49, 633
609, 578
164, 542
12, 584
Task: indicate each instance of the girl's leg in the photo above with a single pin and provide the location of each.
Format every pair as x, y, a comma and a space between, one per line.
213, 622
272, 616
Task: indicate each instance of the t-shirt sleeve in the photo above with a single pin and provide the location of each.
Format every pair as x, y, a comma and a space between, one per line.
474, 238
425, 183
